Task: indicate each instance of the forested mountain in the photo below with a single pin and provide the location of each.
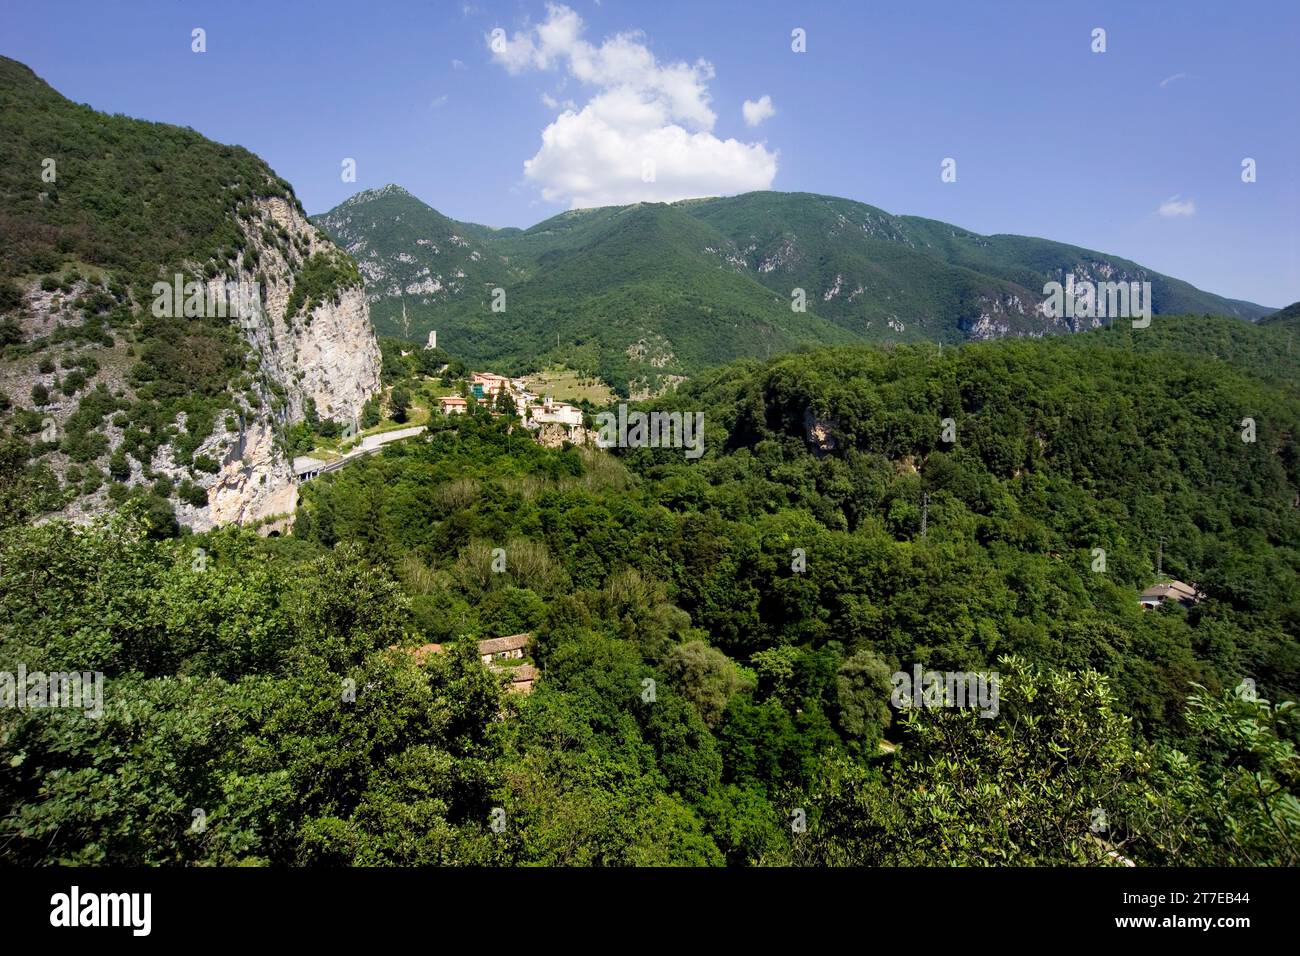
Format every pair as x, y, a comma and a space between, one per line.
639, 295
109, 391
714, 642
952, 282
1290, 316
411, 256
716, 638
1269, 349
646, 294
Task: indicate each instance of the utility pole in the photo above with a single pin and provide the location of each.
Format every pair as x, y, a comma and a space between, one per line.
925, 512
1160, 557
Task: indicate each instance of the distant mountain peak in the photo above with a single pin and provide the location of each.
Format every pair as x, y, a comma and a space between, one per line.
711, 280
370, 195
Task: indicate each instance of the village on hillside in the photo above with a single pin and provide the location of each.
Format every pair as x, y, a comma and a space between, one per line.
541, 414
549, 421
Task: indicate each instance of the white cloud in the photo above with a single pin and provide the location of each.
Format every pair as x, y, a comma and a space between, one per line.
1170, 79
1173, 206
758, 110
587, 160
438, 101
551, 103
645, 120
458, 64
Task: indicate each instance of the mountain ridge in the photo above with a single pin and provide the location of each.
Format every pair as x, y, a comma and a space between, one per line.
875, 276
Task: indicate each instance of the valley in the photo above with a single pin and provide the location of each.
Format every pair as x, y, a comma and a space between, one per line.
758, 530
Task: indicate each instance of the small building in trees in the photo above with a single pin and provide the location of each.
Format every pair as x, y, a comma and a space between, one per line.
453, 405
1168, 591
503, 648
499, 654
522, 678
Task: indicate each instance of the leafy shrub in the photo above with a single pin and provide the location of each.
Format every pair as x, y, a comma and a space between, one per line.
119, 469
84, 446
193, 494
11, 297
321, 279
72, 382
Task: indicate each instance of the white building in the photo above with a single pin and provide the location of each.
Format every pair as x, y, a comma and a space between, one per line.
557, 413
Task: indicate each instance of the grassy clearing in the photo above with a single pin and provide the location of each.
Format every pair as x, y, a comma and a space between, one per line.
566, 385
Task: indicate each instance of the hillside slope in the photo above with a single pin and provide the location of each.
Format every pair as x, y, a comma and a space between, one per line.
648, 293
1290, 316
1268, 350
641, 295
436, 260
113, 386
869, 268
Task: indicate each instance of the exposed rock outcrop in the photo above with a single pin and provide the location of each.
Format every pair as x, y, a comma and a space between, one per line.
327, 353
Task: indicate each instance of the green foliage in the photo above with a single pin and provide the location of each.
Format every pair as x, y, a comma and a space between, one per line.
1230, 797
134, 202
697, 681
862, 693
694, 684
11, 297
321, 280
370, 414
226, 690
104, 161
1061, 447
966, 790
399, 401
637, 293
1268, 351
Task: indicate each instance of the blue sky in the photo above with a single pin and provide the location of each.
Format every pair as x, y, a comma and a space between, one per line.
1050, 138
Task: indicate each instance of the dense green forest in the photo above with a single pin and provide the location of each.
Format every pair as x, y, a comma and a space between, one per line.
716, 638
1269, 350
115, 179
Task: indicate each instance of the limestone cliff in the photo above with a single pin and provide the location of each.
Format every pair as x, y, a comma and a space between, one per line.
329, 354
167, 315
326, 353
